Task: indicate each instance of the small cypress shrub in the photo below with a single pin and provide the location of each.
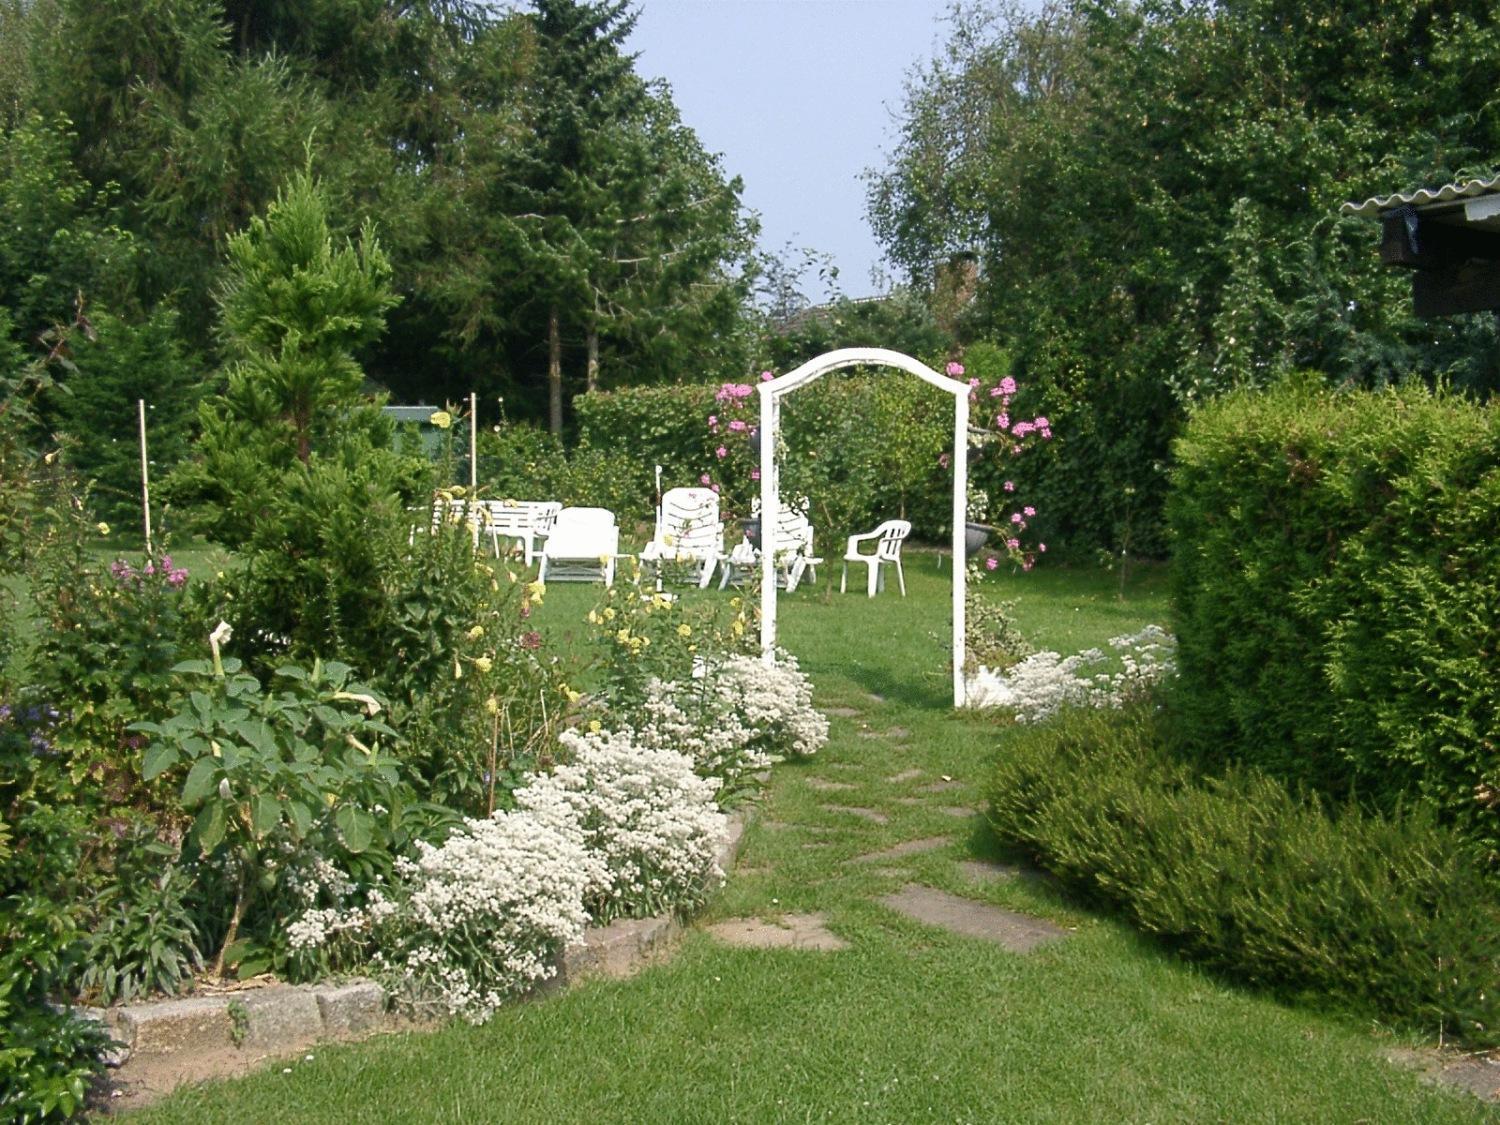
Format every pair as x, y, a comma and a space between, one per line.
1383, 913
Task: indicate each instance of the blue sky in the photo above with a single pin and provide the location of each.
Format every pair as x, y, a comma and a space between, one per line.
799, 97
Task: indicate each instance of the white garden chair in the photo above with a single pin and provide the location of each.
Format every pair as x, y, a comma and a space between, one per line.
888, 539
581, 547
791, 542
687, 530
525, 520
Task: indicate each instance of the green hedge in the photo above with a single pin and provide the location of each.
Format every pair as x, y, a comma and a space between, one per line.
863, 447
1337, 593
1386, 914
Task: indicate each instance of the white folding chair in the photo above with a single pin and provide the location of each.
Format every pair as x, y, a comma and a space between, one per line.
688, 530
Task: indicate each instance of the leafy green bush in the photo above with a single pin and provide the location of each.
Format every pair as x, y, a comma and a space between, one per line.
1337, 593
47, 1058
271, 774
1388, 914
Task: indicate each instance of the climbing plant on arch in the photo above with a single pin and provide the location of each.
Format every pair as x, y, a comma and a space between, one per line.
771, 394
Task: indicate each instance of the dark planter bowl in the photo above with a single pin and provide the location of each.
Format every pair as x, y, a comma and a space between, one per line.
751, 529
976, 535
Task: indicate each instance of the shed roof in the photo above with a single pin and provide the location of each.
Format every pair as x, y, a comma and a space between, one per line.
1454, 193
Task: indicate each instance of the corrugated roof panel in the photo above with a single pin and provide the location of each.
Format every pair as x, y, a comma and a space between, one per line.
1372, 207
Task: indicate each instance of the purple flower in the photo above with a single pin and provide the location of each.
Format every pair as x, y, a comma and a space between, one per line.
1028, 511
704, 479
721, 453
1007, 386
531, 640
1010, 486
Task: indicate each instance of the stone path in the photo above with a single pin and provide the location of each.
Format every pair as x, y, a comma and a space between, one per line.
790, 931
1020, 933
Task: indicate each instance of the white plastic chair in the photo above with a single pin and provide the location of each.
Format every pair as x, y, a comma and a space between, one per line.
581, 547
688, 530
524, 520
791, 543
888, 539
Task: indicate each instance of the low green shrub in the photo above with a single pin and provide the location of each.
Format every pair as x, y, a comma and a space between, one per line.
1387, 914
1337, 593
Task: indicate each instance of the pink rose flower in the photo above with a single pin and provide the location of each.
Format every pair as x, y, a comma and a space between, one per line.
955, 370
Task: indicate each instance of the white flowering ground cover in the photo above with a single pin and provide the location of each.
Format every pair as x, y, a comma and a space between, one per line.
627, 824
1040, 685
909, 1024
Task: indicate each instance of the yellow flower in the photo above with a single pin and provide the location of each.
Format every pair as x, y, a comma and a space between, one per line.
441, 419
738, 628
476, 632
458, 671
734, 603
536, 590
623, 636
492, 705
102, 528
661, 601
684, 630
593, 618
484, 664
609, 613
594, 726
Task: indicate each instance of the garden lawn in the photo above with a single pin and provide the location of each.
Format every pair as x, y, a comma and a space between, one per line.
909, 1023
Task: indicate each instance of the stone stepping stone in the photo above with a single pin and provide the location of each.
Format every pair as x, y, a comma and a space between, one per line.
828, 786
904, 775
910, 801
910, 847
895, 734
982, 870
790, 931
1019, 933
942, 787
1477, 1074
956, 812
875, 697
842, 712
872, 815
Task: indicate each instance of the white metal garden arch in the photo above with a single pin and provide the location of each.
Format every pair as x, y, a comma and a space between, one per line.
773, 391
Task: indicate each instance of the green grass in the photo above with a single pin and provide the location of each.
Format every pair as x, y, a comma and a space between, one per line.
910, 1024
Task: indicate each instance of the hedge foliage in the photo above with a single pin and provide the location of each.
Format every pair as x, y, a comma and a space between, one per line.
863, 446
1387, 914
1337, 593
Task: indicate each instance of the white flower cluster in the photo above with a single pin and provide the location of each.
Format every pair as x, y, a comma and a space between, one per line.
732, 719
1044, 683
650, 824
483, 917
775, 701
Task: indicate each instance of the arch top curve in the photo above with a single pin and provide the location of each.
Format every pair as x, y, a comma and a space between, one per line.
836, 360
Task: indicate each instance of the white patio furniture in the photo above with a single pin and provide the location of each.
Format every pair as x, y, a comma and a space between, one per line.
581, 547
888, 538
687, 531
525, 520
791, 543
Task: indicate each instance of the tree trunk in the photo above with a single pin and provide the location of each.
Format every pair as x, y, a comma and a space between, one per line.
593, 369
554, 372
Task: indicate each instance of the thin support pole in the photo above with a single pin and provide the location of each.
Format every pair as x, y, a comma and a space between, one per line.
473, 443
656, 535
140, 410
769, 416
960, 568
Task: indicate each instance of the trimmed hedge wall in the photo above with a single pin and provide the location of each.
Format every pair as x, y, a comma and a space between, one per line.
1386, 914
1337, 593
863, 448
